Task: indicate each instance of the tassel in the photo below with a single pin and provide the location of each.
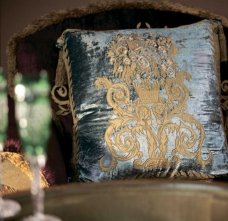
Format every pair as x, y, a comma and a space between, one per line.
12, 145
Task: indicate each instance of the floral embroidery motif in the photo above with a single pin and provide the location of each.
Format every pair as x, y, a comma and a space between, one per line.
149, 127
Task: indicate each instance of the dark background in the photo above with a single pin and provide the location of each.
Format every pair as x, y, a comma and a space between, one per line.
16, 14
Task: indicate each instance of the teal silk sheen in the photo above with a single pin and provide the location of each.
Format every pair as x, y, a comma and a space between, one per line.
146, 102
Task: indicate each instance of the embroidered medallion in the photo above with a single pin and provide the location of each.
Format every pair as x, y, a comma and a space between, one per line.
150, 127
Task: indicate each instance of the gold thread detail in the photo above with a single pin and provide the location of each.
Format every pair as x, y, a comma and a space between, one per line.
224, 98
4, 189
69, 77
193, 175
148, 98
72, 106
59, 95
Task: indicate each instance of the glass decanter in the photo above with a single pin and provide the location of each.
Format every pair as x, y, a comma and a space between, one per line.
34, 116
8, 208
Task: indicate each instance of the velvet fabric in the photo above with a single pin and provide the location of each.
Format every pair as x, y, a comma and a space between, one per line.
33, 49
146, 102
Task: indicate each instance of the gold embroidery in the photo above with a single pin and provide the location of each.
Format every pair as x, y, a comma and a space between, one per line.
60, 96
148, 97
224, 98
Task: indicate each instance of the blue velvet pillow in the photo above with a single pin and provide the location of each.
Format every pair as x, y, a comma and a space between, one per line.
146, 102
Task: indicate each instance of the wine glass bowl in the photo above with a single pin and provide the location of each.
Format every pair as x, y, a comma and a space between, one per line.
34, 116
33, 113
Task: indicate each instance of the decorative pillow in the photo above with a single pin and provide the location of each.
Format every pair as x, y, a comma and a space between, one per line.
146, 102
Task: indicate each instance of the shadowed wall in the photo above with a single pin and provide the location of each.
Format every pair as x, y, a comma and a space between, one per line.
16, 14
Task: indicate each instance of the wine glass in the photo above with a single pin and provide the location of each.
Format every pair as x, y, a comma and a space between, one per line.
34, 114
8, 208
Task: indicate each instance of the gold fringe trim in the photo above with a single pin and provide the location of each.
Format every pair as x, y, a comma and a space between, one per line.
75, 153
69, 76
97, 7
72, 105
19, 161
193, 175
59, 95
4, 189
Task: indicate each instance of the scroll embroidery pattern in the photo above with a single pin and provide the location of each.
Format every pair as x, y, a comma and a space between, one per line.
150, 127
61, 97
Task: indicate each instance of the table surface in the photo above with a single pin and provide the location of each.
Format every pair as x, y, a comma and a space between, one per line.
133, 200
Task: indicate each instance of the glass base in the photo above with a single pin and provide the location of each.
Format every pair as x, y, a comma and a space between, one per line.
42, 217
9, 208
